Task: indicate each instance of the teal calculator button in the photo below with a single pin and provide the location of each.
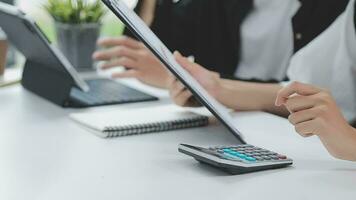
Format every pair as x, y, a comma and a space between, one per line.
227, 150
238, 154
243, 156
250, 159
233, 153
229, 155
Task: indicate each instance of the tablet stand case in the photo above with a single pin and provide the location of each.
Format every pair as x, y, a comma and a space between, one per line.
48, 83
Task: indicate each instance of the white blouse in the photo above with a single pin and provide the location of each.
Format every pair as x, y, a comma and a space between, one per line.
330, 62
267, 40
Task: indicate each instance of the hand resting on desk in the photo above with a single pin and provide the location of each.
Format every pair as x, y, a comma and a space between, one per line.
314, 112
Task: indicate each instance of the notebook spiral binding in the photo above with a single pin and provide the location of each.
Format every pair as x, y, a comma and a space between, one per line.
156, 127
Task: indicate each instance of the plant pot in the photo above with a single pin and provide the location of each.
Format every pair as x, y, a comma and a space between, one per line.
78, 42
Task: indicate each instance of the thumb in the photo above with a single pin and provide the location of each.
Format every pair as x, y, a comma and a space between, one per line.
295, 88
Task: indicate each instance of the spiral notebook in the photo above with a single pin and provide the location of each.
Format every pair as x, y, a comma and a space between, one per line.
139, 121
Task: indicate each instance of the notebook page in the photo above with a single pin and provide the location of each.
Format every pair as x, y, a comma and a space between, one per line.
99, 121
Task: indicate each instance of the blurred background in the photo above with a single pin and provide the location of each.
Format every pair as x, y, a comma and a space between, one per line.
110, 26
34, 8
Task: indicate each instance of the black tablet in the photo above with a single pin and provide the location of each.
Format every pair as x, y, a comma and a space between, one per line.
152, 42
28, 38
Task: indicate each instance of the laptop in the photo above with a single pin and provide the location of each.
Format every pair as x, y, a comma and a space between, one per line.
27, 37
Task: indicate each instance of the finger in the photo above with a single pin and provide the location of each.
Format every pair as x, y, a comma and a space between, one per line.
183, 98
116, 52
306, 129
120, 41
123, 61
193, 102
177, 88
126, 74
171, 80
298, 103
303, 116
192, 68
295, 88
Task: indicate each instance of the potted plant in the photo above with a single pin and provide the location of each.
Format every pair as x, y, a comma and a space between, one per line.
77, 24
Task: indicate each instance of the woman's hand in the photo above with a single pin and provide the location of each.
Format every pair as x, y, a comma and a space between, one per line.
139, 62
208, 79
314, 112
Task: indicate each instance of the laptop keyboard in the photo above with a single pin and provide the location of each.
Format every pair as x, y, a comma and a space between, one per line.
108, 92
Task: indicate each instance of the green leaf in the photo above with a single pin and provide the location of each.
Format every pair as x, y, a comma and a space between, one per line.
75, 11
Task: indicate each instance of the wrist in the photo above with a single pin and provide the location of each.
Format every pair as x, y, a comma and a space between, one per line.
350, 146
219, 91
167, 81
225, 93
245, 96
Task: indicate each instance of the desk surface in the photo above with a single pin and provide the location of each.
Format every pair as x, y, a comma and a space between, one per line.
44, 155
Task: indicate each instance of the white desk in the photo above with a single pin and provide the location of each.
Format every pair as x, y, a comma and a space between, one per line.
44, 155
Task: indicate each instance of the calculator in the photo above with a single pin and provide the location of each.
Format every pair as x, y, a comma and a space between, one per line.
237, 159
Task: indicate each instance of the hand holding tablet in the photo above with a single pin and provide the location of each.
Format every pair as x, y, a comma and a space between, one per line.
241, 158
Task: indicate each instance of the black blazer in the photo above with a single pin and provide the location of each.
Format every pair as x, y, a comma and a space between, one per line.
210, 29
313, 18
202, 28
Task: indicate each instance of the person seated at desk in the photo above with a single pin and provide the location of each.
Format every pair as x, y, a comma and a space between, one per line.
329, 62
196, 27
191, 26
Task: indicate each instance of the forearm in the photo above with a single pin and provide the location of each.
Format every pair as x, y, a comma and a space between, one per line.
341, 143
350, 144
350, 149
246, 96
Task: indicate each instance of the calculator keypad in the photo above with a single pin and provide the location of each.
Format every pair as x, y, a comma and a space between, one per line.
247, 153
